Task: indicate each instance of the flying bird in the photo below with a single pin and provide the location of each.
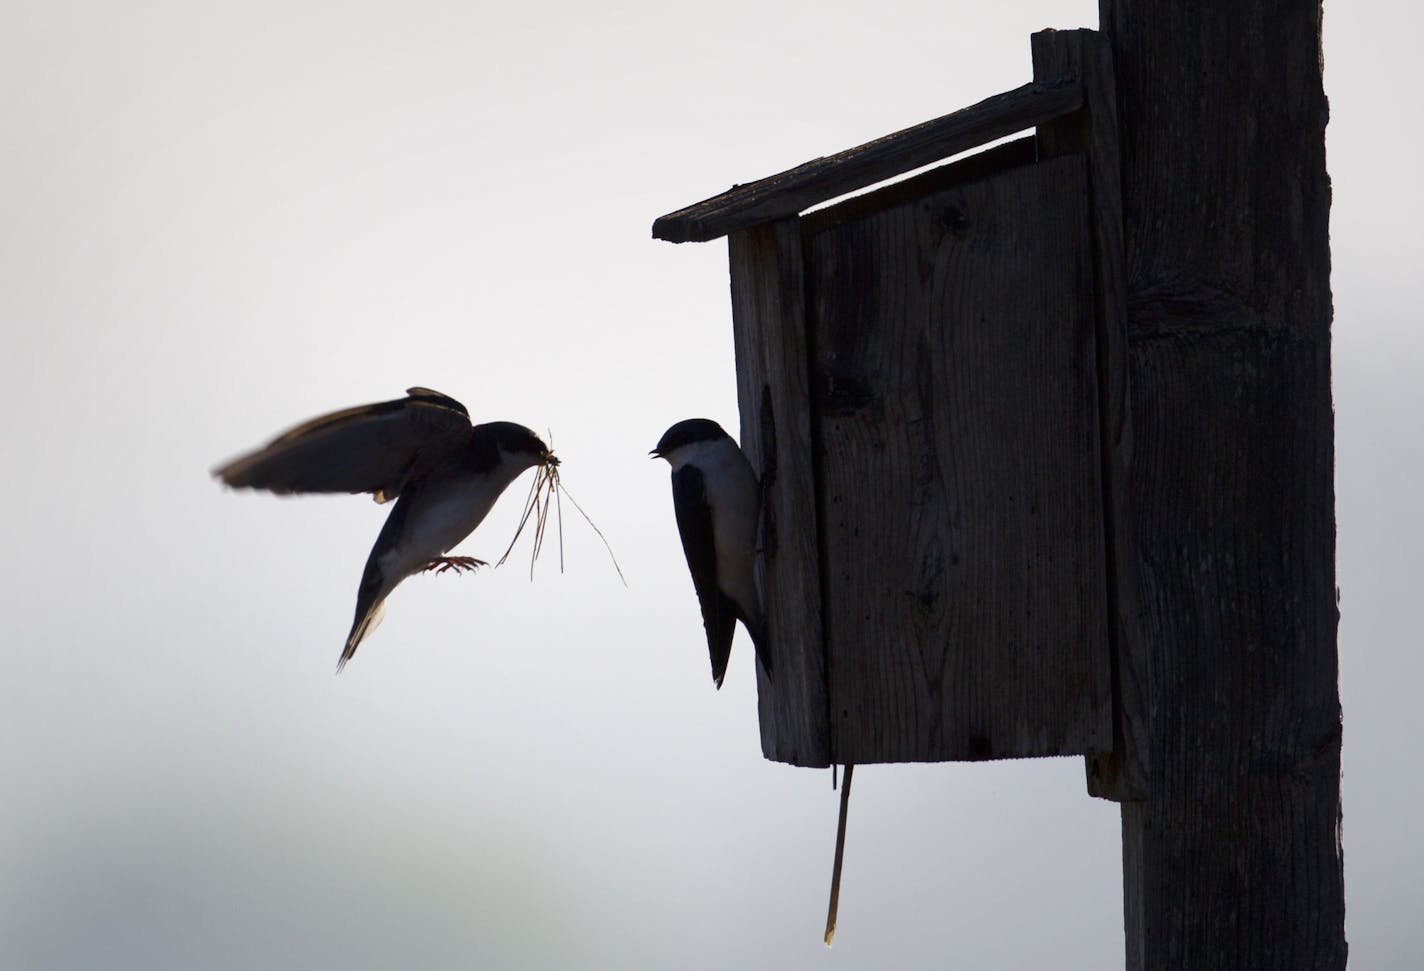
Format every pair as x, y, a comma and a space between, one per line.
715, 497
421, 450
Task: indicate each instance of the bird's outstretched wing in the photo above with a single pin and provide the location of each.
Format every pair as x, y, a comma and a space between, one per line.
375, 448
694, 525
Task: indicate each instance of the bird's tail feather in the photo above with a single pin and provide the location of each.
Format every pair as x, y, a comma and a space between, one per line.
359, 630
370, 608
721, 654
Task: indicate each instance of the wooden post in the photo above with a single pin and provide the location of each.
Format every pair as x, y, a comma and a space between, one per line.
1233, 859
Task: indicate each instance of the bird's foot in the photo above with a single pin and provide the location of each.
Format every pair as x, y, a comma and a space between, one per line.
457, 563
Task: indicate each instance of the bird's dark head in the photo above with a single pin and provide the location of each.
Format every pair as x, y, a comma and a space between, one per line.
691, 431
516, 441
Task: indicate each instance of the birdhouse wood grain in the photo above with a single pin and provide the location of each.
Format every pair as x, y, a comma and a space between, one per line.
931, 389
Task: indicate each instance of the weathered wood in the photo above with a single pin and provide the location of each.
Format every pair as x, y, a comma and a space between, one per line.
822, 179
954, 381
1234, 858
769, 327
1122, 773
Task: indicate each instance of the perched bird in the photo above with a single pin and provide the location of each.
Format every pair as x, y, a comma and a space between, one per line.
421, 451
715, 496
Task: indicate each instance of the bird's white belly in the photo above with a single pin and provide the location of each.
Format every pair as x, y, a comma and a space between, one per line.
732, 494
443, 517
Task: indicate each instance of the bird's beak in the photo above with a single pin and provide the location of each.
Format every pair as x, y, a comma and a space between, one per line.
655, 454
550, 459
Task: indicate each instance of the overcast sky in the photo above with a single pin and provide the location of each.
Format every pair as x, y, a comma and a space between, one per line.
218, 219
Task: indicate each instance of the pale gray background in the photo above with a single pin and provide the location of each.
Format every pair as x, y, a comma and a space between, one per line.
217, 219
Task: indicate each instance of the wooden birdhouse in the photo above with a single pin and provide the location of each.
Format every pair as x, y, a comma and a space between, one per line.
932, 388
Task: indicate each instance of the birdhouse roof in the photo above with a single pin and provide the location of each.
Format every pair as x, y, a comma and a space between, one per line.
819, 180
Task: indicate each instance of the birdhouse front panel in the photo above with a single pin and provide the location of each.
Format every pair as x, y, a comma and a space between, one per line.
951, 345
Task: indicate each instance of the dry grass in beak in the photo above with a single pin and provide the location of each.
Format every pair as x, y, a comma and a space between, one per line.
547, 488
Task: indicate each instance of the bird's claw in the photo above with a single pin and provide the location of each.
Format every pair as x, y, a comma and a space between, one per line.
457, 563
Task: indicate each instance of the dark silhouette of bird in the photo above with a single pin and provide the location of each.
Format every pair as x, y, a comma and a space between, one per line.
421, 451
715, 497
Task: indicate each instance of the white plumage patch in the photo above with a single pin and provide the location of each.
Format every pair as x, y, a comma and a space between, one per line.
731, 488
